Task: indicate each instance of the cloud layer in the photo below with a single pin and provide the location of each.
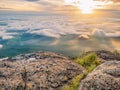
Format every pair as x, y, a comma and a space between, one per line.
70, 34
56, 26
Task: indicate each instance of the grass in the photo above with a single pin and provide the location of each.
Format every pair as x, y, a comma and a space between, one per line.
74, 84
90, 62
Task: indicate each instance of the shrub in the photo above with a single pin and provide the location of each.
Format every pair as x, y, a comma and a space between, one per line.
89, 62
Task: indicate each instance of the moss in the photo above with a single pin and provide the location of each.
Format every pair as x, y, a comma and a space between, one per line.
90, 62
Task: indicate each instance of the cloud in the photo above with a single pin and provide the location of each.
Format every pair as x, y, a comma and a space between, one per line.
98, 33
1, 46
5, 35
4, 8
84, 36
95, 3
102, 33
32, 0
56, 26
21, 5
63, 27
46, 32
108, 0
113, 34
48, 6
114, 0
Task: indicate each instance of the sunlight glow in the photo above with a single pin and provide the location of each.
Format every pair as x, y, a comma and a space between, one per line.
87, 6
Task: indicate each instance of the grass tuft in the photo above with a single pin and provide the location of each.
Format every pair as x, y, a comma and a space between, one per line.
74, 84
90, 62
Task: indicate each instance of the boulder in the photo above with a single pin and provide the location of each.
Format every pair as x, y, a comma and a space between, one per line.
104, 55
49, 71
104, 77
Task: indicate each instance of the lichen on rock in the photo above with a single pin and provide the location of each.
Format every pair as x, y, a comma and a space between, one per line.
49, 71
104, 77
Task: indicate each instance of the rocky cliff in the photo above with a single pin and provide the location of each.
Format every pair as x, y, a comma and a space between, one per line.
104, 55
104, 77
51, 71
37, 71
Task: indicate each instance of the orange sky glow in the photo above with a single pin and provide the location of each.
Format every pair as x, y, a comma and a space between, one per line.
84, 6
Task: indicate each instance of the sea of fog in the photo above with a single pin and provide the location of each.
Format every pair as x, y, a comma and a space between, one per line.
65, 34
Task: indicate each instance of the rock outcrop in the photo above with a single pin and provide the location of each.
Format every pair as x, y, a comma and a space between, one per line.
37, 71
106, 55
104, 77
37, 56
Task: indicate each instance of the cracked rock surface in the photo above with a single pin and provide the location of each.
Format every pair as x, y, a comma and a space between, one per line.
47, 71
104, 77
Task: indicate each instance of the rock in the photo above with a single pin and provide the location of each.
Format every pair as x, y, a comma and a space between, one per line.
38, 56
104, 77
4, 59
50, 72
106, 55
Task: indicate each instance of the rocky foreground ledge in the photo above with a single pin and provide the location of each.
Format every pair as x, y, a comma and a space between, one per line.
104, 55
51, 71
37, 71
104, 77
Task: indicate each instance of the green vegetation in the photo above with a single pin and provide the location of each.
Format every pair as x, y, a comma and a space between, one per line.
75, 82
90, 62
73, 57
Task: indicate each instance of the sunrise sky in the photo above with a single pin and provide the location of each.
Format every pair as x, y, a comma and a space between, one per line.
73, 25
59, 6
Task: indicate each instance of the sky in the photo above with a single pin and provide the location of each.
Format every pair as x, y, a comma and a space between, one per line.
67, 21
58, 6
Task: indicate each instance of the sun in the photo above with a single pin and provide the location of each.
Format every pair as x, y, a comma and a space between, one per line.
85, 6
88, 6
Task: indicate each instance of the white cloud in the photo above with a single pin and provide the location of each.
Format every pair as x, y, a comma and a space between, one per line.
98, 33
102, 33
116, 34
58, 26
55, 26
46, 32
84, 36
1, 46
5, 35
